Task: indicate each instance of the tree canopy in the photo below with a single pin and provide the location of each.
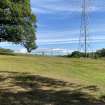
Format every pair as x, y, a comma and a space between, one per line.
17, 23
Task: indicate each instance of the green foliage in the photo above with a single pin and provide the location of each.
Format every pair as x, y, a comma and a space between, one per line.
16, 23
29, 35
100, 53
6, 51
76, 54
97, 54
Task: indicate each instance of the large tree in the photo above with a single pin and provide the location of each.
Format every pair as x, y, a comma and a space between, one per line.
17, 23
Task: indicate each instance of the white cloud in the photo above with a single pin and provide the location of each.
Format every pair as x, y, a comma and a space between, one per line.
53, 6
53, 51
22, 50
70, 36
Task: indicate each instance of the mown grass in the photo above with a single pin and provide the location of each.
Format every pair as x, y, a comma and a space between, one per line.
84, 70
88, 75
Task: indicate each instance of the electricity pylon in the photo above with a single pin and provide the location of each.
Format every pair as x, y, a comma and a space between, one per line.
84, 34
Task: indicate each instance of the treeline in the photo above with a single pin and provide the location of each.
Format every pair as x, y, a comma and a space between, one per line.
97, 54
6, 51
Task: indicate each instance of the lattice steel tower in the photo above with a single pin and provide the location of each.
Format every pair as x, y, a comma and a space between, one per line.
84, 34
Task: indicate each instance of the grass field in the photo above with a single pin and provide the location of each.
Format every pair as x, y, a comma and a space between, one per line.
29, 80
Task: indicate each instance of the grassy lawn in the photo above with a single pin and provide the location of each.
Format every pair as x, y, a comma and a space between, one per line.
51, 81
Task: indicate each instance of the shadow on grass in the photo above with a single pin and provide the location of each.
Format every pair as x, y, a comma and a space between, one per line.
27, 89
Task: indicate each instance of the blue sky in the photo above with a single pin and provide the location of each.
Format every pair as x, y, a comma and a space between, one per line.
59, 21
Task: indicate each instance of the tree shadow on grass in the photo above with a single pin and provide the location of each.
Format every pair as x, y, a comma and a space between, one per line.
27, 89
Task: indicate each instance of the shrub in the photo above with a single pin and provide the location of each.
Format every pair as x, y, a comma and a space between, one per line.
100, 53
76, 54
